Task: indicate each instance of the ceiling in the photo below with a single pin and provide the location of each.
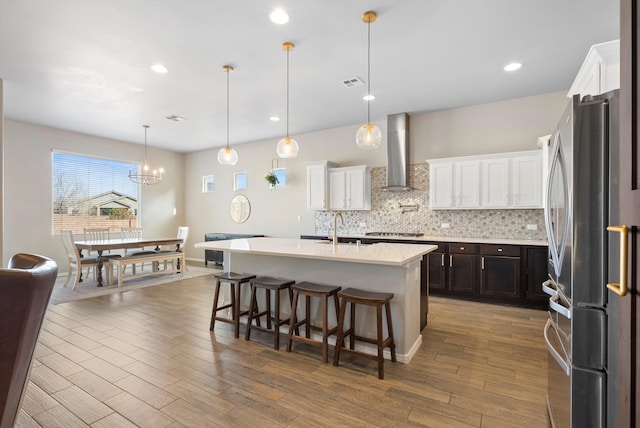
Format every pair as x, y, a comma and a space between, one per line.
71, 64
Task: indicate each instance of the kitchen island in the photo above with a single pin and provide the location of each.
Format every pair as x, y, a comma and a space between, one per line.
383, 267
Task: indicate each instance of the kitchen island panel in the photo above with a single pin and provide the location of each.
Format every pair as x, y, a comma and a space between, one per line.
403, 281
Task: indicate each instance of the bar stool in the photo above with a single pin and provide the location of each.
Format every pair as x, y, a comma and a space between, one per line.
235, 281
268, 284
354, 296
309, 290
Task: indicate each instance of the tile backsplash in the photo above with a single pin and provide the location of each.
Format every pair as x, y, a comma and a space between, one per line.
409, 212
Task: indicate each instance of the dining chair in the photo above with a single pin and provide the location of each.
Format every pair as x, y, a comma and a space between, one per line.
132, 234
76, 263
183, 233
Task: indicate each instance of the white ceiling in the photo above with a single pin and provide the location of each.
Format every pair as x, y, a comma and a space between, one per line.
70, 64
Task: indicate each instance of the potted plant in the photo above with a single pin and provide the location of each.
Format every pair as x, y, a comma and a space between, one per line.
272, 179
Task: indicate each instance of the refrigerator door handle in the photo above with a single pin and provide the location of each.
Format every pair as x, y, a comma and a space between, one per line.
555, 354
621, 289
549, 288
556, 305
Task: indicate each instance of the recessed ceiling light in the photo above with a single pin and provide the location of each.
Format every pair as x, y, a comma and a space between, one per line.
512, 66
279, 16
369, 97
274, 118
136, 89
159, 68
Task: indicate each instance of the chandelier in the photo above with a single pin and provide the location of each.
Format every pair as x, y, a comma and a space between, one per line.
369, 135
146, 176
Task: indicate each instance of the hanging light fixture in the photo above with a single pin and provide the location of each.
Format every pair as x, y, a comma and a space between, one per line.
369, 135
146, 176
227, 155
287, 146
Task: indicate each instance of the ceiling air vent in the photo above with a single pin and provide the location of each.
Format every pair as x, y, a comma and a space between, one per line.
176, 118
350, 83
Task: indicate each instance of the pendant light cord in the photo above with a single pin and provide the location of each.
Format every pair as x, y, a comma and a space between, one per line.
369, 70
288, 49
228, 108
145, 143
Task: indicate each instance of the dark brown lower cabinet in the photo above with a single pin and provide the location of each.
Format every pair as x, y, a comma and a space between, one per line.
500, 271
438, 268
500, 276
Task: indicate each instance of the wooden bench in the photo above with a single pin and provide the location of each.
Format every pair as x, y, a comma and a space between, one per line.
176, 258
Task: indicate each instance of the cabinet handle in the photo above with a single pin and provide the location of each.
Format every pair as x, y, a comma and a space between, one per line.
499, 250
450, 261
442, 260
461, 248
482, 262
621, 289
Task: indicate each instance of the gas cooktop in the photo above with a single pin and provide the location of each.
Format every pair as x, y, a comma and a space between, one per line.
398, 234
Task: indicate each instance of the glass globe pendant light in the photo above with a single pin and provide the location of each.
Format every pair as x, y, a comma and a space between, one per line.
287, 147
369, 135
227, 155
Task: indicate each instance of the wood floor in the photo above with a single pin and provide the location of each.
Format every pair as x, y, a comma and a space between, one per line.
147, 358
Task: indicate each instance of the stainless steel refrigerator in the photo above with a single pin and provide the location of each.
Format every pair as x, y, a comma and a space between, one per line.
581, 197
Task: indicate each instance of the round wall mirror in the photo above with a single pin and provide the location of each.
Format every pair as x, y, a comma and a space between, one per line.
240, 208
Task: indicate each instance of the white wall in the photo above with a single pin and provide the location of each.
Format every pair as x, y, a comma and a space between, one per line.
505, 126
27, 190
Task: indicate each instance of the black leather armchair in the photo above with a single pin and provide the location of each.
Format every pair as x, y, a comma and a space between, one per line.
25, 289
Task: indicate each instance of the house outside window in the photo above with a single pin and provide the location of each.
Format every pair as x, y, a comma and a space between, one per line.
91, 192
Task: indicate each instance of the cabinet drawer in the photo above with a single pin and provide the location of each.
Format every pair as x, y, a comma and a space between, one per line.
442, 246
459, 248
500, 250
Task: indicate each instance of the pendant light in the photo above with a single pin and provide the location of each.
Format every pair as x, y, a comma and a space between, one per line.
369, 135
287, 146
227, 155
146, 176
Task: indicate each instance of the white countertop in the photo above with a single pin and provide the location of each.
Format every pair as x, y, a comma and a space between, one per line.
499, 241
380, 254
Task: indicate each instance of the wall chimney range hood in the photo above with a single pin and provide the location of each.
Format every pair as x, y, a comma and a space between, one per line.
397, 153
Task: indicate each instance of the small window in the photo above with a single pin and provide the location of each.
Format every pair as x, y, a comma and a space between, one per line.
281, 173
239, 181
208, 184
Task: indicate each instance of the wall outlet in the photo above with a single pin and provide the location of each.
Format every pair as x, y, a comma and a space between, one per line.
532, 227
444, 226
299, 218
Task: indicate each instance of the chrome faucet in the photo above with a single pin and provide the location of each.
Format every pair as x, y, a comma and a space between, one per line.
335, 226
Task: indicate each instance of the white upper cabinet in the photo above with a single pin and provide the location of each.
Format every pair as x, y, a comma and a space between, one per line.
350, 188
454, 185
466, 179
495, 179
318, 185
441, 185
600, 71
506, 180
527, 181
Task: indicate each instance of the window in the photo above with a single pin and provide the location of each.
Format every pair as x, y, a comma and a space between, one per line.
239, 180
208, 184
92, 192
281, 173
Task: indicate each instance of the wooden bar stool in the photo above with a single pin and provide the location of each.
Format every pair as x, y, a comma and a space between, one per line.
268, 284
353, 297
235, 281
309, 290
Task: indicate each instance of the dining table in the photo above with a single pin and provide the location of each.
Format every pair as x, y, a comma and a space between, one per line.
100, 246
